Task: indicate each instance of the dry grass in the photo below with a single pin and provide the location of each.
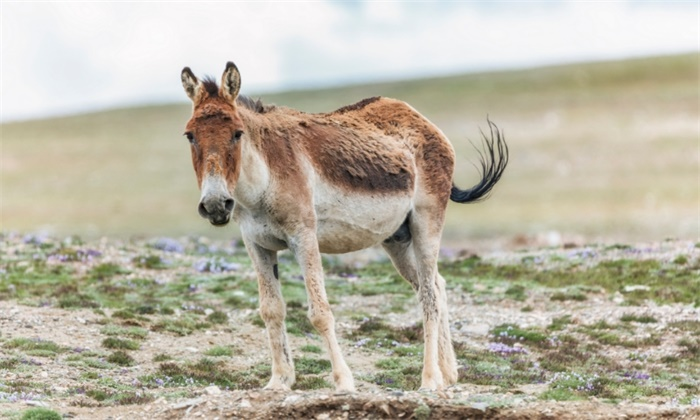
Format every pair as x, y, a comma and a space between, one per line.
602, 150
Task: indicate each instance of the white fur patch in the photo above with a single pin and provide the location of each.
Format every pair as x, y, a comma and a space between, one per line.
350, 222
213, 185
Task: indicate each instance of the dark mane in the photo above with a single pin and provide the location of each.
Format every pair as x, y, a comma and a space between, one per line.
254, 105
359, 105
210, 86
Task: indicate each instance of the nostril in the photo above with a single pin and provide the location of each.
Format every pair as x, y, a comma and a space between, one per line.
202, 210
228, 205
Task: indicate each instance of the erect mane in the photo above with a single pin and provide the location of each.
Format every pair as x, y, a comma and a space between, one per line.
209, 84
255, 105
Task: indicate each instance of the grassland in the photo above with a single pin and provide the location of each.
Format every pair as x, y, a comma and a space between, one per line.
599, 151
92, 329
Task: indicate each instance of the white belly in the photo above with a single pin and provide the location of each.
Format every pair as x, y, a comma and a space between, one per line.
350, 222
344, 222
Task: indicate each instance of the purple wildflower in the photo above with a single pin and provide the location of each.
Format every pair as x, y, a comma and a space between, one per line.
361, 342
37, 239
20, 396
636, 375
191, 307
68, 255
505, 349
215, 265
169, 245
583, 254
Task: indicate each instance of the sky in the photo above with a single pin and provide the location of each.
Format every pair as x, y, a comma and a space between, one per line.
63, 57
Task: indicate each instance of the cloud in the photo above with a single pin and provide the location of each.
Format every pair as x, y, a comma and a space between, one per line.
69, 57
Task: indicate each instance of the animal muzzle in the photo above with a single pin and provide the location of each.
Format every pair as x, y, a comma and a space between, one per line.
216, 208
216, 203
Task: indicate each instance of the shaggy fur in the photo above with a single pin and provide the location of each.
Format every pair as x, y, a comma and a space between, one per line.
374, 172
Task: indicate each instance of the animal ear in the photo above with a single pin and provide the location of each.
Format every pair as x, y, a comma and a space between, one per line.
231, 82
190, 83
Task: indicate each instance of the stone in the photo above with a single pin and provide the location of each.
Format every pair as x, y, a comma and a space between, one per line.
212, 390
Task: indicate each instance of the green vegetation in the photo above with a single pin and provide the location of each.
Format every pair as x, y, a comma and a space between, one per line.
207, 371
218, 351
306, 366
131, 332
121, 358
310, 348
637, 280
568, 357
217, 317
644, 319
118, 343
38, 413
35, 347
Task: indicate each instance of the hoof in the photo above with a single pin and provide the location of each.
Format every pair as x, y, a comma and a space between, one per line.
431, 386
276, 384
345, 387
451, 377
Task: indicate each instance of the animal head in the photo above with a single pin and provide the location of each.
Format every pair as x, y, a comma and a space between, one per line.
215, 132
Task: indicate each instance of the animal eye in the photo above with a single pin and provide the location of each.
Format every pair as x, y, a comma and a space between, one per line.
237, 135
190, 137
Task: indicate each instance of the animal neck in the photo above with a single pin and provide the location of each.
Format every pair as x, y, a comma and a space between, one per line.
254, 175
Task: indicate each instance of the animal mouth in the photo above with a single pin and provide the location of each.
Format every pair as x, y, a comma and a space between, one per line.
220, 221
218, 212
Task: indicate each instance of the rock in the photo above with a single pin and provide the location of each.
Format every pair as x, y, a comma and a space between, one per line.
245, 404
636, 287
212, 390
188, 403
480, 406
478, 330
292, 399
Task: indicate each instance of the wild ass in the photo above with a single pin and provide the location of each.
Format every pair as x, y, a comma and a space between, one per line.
376, 172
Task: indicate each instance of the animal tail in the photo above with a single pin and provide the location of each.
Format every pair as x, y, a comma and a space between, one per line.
494, 158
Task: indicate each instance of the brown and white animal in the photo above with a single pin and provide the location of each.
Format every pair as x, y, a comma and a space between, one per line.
376, 172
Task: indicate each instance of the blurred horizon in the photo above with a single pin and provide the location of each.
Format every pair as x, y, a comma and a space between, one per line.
62, 58
600, 152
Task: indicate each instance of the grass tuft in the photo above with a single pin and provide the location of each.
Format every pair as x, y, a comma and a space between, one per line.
121, 358
119, 343
218, 351
217, 317
38, 413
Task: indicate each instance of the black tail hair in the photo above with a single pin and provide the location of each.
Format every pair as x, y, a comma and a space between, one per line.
494, 158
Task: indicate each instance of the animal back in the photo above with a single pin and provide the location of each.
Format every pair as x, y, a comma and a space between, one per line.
360, 159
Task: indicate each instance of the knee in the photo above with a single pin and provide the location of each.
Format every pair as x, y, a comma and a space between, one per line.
321, 318
272, 312
427, 294
441, 283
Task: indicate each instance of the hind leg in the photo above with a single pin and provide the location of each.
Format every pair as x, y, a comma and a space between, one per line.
416, 260
446, 352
